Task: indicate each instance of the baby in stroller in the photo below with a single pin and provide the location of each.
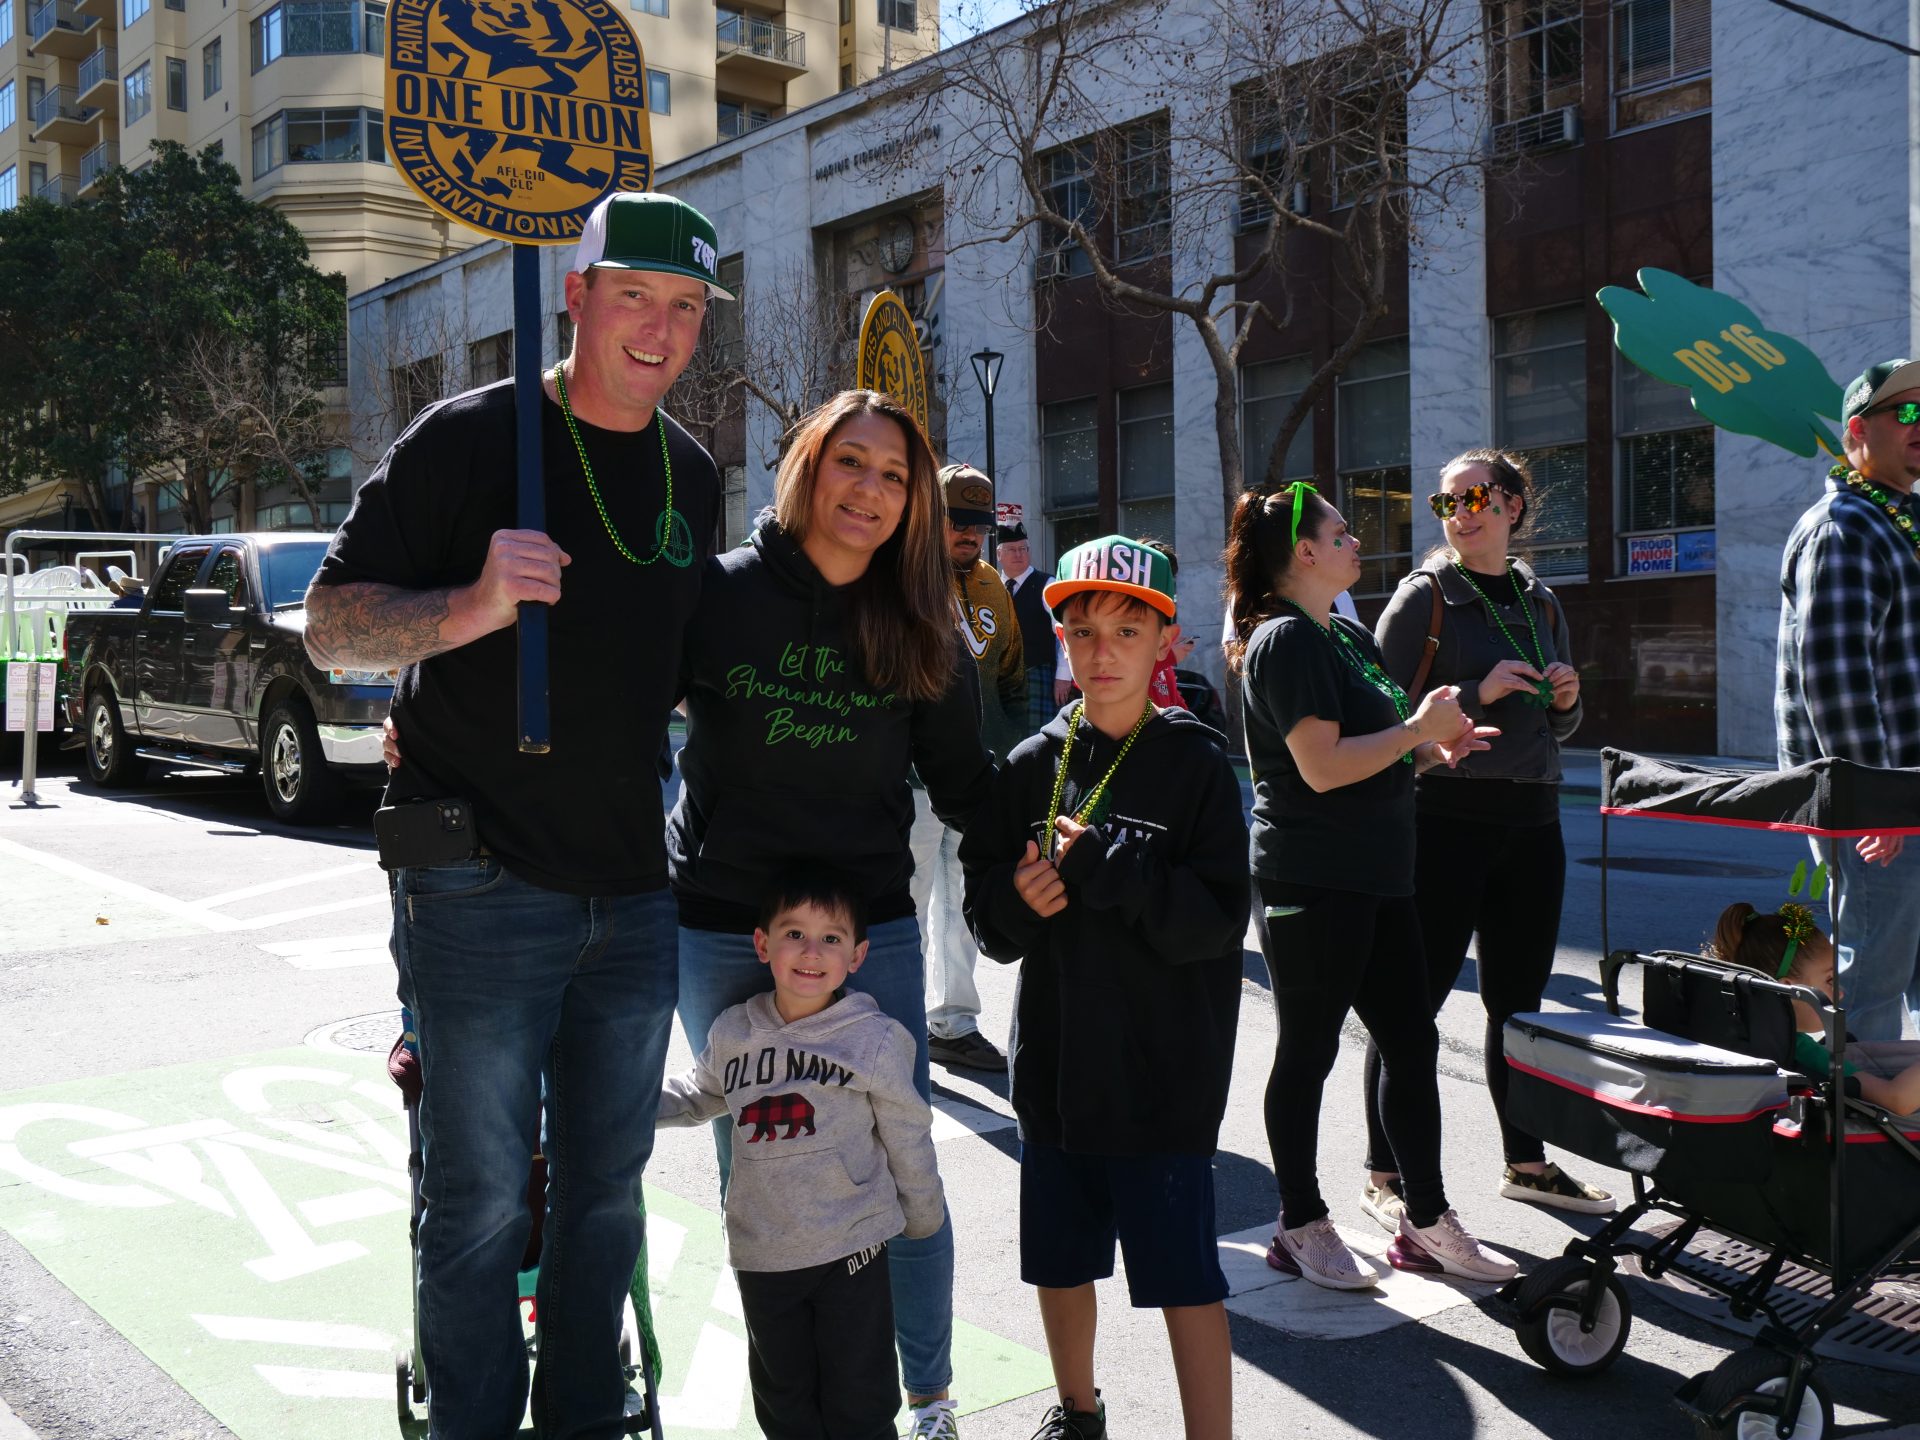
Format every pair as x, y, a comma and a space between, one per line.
1789, 946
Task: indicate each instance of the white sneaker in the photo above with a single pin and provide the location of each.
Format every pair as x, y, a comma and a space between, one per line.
935, 1420
1316, 1252
1446, 1247
1385, 1204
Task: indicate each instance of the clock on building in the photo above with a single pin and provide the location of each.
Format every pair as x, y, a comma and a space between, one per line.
896, 245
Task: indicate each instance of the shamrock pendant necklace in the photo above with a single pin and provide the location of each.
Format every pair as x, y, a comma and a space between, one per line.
1368, 671
1867, 490
1099, 792
1543, 689
665, 525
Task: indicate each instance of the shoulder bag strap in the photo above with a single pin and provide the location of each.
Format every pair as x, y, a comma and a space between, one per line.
1418, 688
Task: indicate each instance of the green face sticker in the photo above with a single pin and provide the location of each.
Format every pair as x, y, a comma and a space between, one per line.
1339, 542
1496, 509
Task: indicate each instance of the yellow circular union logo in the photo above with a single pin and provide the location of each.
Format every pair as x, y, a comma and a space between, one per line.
890, 360
516, 117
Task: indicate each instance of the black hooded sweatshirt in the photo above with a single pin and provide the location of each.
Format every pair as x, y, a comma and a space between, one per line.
791, 755
1128, 1000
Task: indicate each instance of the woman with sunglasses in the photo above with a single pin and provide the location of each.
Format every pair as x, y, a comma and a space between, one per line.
1489, 860
1334, 745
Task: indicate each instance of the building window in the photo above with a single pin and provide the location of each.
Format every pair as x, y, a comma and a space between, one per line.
1068, 173
319, 27
36, 92
1665, 476
659, 92
1662, 60
651, 7
733, 494
1267, 393
176, 83
729, 340
1369, 125
6, 22
1144, 193
1374, 443
1146, 461
1270, 160
210, 69
131, 10
899, 14
563, 334
215, 149
416, 386
139, 87
1070, 463
734, 118
319, 137
490, 359
36, 176
7, 104
9, 187
1536, 57
1540, 409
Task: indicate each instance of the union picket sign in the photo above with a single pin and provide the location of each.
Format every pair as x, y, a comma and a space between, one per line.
516, 120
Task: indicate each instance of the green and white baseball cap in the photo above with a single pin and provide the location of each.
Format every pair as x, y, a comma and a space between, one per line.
1114, 562
1889, 377
645, 230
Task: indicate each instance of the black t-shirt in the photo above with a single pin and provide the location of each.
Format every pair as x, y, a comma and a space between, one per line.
585, 818
1359, 836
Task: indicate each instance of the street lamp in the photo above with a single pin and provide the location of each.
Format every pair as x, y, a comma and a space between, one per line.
986, 369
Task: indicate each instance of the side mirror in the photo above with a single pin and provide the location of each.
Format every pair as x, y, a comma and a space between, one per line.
207, 607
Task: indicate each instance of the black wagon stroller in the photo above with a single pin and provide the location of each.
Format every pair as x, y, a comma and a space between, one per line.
1700, 1101
639, 1347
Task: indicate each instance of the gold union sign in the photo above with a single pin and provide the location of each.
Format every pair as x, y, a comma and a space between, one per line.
517, 118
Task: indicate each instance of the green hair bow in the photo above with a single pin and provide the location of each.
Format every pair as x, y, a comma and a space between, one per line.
1300, 489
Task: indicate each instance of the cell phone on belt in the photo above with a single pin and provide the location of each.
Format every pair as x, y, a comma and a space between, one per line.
425, 832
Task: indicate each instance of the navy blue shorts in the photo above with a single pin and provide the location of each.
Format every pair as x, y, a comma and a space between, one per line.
1159, 1207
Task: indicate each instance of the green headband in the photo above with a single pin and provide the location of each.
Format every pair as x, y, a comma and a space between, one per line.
1300, 489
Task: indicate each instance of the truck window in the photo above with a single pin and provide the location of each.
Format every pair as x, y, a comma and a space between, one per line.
285, 570
229, 573
174, 584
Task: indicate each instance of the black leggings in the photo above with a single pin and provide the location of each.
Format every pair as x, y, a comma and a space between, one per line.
1503, 883
1341, 951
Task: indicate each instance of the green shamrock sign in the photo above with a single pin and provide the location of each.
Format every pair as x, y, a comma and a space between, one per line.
1744, 377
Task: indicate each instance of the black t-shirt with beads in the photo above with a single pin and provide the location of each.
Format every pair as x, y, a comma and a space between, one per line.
585, 818
1356, 837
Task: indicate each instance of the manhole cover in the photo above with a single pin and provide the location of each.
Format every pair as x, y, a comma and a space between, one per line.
363, 1035
1676, 865
1883, 1331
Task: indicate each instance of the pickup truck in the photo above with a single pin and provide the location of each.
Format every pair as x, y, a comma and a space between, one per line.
212, 671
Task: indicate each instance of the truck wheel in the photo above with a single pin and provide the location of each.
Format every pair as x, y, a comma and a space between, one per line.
110, 758
300, 787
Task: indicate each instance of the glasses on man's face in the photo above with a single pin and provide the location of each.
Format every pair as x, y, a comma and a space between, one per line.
1907, 412
1473, 500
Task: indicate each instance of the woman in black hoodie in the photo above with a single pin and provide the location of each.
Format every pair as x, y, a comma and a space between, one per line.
821, 665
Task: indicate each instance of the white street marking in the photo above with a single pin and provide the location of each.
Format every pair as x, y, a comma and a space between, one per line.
320, 1334
333, 953
125, 889
664, 1241
175, 1168
956, 1117
16, 1118
713, 1392
158, 1135
1302, 1309
353, 1205
294, 1251
327, 1384
726, 1294
289, 882
285, 917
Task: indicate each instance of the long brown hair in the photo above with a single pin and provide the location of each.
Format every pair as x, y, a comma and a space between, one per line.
903, 620
1259, 553
1752, 939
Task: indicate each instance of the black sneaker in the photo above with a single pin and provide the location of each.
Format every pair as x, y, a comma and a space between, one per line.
971, 1051
1061, 1423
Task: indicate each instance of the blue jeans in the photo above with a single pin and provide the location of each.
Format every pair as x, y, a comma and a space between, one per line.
717, 971
511, 984
1876, 917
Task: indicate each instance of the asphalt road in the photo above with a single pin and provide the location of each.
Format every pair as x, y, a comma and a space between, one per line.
166, 949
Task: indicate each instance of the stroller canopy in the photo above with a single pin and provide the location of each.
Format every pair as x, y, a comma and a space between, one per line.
1827, 797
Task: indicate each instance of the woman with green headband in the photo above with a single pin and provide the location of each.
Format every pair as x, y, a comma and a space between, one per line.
1789, 946
1334, 745
1490, 867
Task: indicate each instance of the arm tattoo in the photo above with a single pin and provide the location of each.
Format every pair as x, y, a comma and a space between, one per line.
374, 626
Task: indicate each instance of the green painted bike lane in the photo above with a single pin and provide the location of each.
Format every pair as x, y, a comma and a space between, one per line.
243, 1222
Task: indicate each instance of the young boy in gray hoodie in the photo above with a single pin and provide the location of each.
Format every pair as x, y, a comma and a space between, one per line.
835, 1159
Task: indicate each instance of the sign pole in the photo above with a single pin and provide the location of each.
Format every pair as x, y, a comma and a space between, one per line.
535, 731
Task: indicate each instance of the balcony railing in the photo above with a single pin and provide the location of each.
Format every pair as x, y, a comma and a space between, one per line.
59, 189
60, 103
735, 123
54, 15
751, 35
97, 161
102, 64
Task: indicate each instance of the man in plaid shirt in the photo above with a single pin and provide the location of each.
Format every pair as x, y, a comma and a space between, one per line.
1849, 686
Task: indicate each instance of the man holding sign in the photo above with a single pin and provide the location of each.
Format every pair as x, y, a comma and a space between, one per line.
533, 928
1849, 675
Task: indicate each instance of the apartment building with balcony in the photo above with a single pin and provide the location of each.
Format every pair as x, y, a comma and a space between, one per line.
291, 91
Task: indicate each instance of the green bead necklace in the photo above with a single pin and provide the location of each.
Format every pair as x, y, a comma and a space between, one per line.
1098, 793
665, 526
1369, 672
1543, 690
1865, 488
